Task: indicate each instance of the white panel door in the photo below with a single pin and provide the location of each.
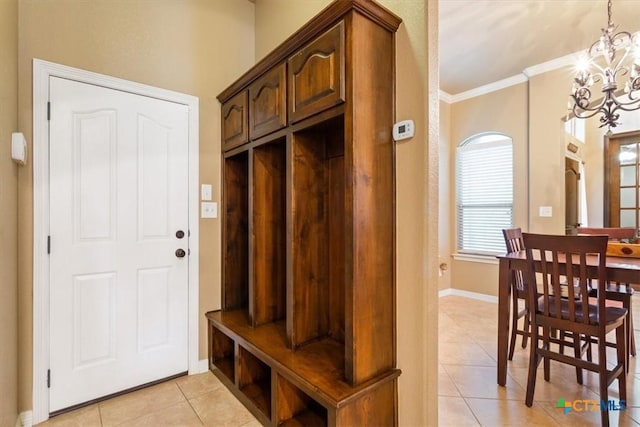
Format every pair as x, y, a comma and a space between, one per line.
119, 197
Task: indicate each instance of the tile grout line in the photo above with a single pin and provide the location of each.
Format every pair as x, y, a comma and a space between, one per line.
190, 405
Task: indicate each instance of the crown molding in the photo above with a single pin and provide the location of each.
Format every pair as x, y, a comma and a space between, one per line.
554, 64
491, 87
527, 73
446, 97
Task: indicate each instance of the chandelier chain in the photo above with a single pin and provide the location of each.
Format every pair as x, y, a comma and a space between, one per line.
609, 13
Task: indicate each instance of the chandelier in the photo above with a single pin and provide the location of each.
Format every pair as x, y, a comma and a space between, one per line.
621, 54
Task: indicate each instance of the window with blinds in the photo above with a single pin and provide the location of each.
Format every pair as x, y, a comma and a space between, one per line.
484, 193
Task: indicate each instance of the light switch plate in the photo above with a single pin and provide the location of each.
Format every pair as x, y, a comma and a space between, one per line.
546, 211
208, 210
205, 192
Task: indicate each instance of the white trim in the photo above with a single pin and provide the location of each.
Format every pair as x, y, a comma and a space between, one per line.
527, 73
25, 419
484, 259
445, 292
203, 366
488, 88
555, 64
445, 97
468, 294
42, 71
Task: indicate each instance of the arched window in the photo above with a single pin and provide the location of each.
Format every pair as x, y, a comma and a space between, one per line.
484, 192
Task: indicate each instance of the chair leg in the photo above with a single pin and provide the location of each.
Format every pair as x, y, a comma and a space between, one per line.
623, 354
577, 351
626, 303
533, 367
603, 376
546, 343
514, 323
527, 324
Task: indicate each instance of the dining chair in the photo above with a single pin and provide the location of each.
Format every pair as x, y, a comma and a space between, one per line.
551, 260
519, 293
613, 289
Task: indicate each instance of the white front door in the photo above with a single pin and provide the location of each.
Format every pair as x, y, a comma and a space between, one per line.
118, 206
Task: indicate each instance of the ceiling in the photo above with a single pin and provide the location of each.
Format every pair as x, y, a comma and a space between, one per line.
483, 41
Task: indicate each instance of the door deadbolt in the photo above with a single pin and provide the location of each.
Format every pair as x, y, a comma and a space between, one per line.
179, 234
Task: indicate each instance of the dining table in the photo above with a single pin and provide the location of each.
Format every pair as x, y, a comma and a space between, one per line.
621, 273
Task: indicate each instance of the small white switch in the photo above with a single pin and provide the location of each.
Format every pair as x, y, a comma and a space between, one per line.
546, 211
209, 210
18, 148
205, 192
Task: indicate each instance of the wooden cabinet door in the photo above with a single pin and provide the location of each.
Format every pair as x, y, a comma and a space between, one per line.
268, 103
316, 75
234, 121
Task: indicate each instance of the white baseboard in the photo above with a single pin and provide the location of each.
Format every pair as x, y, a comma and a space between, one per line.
468, 294
25, 419
203, 365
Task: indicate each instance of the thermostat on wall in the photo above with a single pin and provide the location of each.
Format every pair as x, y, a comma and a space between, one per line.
403, 130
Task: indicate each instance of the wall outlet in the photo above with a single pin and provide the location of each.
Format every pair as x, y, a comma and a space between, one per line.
208, 210
546, 211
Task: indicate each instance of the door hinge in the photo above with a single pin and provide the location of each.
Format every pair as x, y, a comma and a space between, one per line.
48, 244
48, 378
48, 110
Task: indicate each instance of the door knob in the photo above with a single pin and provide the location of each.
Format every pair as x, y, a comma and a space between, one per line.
180, 253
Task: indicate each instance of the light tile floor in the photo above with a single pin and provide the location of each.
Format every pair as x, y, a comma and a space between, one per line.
194, 400
468, 393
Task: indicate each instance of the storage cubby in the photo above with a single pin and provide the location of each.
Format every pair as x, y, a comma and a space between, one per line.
318, 241
268, 295
254, 380
221, 353
296, 408
235, 287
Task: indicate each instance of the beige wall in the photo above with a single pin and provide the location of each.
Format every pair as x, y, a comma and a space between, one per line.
196, 47
503, 111
548, 106
278, 19
417, 191
8, 214
446, 220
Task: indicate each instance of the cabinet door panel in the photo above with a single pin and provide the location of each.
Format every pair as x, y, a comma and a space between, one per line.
234, 121
316, 75
267, 103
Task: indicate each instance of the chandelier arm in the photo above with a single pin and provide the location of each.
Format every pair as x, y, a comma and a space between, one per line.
627, 106
591, 112
588, 107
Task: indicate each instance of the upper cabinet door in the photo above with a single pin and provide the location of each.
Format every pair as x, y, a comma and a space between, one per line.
268, 103
316, 75
234, 121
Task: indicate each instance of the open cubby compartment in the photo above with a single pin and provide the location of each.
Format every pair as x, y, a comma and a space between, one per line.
254, 380
296, 408
235, 286
267, 302
319, 233
221, 352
